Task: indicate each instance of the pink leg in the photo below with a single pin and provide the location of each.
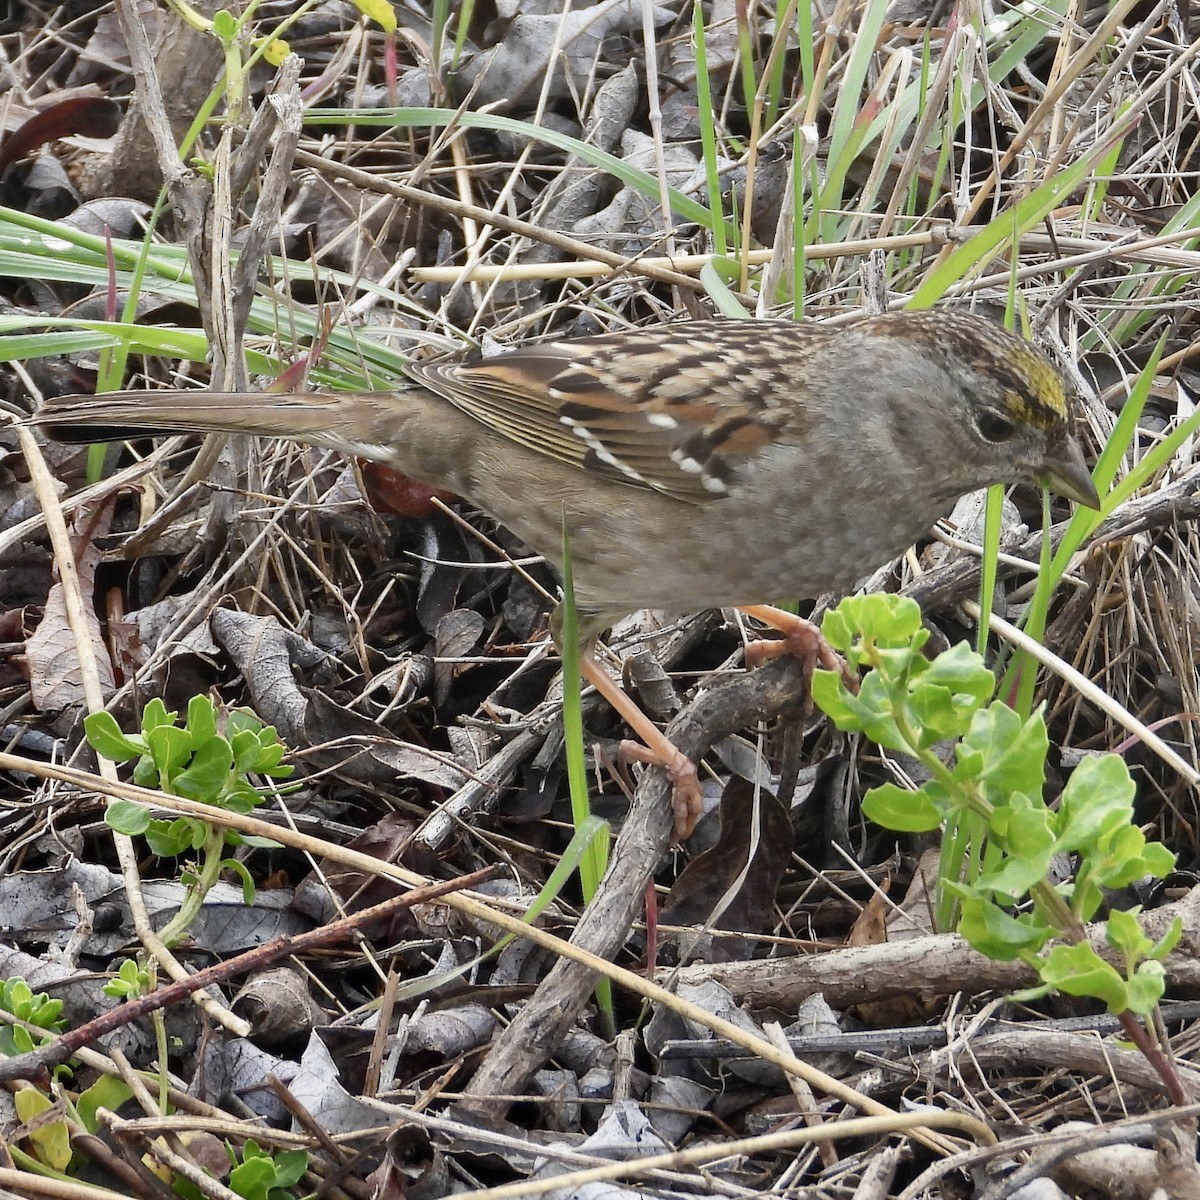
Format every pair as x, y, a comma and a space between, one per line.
800, 637
658, 749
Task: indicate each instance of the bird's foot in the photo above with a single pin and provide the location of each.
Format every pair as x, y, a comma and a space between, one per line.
687, 798
800, 637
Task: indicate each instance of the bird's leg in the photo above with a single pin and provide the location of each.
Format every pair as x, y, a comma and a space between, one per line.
800, 637
658, 749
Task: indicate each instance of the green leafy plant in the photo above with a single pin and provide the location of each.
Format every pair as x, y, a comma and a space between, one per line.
259, 1176
50, 1144
262, 1176
198, 762
995, 878
18, 998
129, 981
201, 763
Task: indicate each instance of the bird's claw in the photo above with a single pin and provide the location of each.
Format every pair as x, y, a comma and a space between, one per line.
687, 797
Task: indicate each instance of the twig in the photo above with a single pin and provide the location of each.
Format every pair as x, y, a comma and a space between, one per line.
35, 1062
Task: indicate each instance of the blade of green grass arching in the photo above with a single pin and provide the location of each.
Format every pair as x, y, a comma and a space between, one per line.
1140, 296
683, 206
437, 40
1113, 492
1084, 520
974, 253
115, 359
721, 294
34, 248
28, 346
848, 130
1016, 32
1092, 209
593, 866
78, 336
113, 362
594, 831
595, 861
846, 112
466, 14
806, 47
783, 18
994, 511
745, 62
993, 515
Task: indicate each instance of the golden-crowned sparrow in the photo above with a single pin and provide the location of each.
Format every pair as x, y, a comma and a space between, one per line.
695, 465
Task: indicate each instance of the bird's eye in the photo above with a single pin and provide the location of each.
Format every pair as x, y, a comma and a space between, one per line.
995, 426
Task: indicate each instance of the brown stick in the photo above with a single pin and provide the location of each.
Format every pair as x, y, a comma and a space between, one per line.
36, 1063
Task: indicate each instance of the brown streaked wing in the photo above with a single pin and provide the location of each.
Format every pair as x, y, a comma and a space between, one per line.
510, 394
677, 410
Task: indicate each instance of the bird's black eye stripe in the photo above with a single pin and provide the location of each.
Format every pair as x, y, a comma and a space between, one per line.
995, 426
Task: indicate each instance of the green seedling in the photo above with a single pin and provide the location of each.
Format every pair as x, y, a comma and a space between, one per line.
17, 998
259, 1176
201, 763
49, 1143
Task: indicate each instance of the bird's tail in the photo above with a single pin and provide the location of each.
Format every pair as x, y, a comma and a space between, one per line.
304, 417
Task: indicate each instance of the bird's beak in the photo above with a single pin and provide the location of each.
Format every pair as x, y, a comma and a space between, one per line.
1065, 473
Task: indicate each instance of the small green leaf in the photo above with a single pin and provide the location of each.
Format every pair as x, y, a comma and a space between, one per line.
1145, 989
290, 1166
901, 810
130, 980
126, 817
992, 931
1124, 934
204, 777
245, 748
240, 797
1079, 971
155, 714
52, 1142
145, 773
45, 1012
252, 1178
880, 617
961, 671
14, 1040
1100, 788
18, 997
1011, 881
1123, 855
108, 1091
1168, 941
105, 736
871, 712
259, 843
239, 869
224, 25
1157, 861
937, 713
379, 11
169, 839
201, 719
170, 747
829, 694
241, 720
1013, 751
